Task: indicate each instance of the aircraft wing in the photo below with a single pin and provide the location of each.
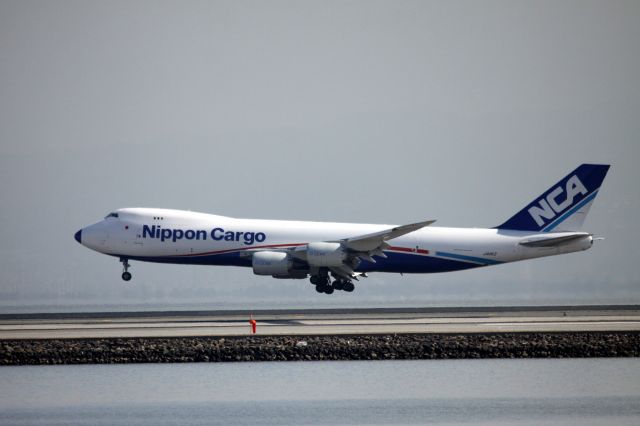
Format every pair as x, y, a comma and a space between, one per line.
362, 247
554, 241
366, 246
376, 240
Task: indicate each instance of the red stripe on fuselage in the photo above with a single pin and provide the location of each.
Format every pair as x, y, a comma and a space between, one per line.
391, 248
237, 249
408, 250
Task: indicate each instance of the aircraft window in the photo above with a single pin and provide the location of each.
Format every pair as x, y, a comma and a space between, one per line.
111, 215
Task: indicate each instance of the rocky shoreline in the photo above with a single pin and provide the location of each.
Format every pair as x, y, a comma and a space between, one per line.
316, 348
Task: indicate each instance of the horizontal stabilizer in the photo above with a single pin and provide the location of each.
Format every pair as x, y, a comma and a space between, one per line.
555, 241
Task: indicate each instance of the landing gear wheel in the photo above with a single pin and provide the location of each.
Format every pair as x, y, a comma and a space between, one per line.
328, 290
320, 289
349, 287
339, 284
126, 275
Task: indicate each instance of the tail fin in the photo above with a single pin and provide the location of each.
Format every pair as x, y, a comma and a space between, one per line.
564, 206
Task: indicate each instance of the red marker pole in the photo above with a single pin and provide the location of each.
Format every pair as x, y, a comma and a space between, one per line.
254, 324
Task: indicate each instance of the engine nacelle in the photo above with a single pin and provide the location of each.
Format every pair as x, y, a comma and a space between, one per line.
325, 254
271, 263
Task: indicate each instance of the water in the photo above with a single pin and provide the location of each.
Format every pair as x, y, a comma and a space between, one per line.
478, 392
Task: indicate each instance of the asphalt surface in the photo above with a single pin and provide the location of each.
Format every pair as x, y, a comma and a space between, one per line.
319, 322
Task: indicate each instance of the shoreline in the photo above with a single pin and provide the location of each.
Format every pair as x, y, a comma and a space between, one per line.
320, 348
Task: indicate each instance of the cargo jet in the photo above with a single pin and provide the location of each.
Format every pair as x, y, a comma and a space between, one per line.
334, 255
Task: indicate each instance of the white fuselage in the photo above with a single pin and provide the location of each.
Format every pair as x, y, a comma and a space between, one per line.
175, 236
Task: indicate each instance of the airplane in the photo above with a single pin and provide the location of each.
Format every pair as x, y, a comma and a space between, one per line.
334, 255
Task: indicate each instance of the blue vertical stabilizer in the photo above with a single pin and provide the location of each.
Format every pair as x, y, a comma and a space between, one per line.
564, 206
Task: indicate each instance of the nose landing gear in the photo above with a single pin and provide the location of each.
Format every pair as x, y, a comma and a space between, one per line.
126, 275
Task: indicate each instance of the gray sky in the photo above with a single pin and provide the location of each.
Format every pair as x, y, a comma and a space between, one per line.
360, 111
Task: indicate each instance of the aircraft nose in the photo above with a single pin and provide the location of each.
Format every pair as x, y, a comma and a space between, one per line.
78, 236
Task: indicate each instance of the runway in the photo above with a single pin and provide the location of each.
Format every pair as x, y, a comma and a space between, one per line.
317, 322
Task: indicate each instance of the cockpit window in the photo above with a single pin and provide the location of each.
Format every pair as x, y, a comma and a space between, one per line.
111, 215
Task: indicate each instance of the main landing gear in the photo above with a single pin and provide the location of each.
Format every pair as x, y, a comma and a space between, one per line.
126, 275
324, 285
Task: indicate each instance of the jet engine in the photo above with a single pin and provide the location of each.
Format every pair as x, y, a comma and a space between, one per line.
278, 265
325, 254
271, 263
